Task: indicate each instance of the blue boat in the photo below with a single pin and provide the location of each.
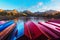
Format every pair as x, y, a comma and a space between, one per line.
5, 25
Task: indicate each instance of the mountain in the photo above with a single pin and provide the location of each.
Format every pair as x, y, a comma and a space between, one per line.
47, 12
27, 12
51, 11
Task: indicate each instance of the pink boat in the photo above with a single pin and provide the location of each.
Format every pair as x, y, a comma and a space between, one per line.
53, 23
54, 20
52, 32
2, 22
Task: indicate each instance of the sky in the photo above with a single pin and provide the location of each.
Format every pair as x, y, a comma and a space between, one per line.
32, 5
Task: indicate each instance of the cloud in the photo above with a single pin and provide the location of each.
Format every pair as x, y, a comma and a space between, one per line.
36, 7
55, 5
40, 3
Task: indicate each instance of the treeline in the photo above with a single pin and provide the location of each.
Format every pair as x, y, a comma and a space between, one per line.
14, 13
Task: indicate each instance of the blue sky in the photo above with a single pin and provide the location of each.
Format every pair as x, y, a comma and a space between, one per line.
32, 5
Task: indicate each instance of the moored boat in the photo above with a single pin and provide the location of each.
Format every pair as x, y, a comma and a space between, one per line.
6, 29
5, 25
32, 31
2, 22
54, 20
49, 30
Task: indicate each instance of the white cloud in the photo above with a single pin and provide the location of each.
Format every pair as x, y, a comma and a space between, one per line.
40, 3
36, 7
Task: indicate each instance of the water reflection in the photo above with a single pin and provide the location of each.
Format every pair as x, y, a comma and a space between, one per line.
35, 19
20, 28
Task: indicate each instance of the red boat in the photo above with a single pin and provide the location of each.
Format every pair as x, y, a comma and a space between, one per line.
32, 31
